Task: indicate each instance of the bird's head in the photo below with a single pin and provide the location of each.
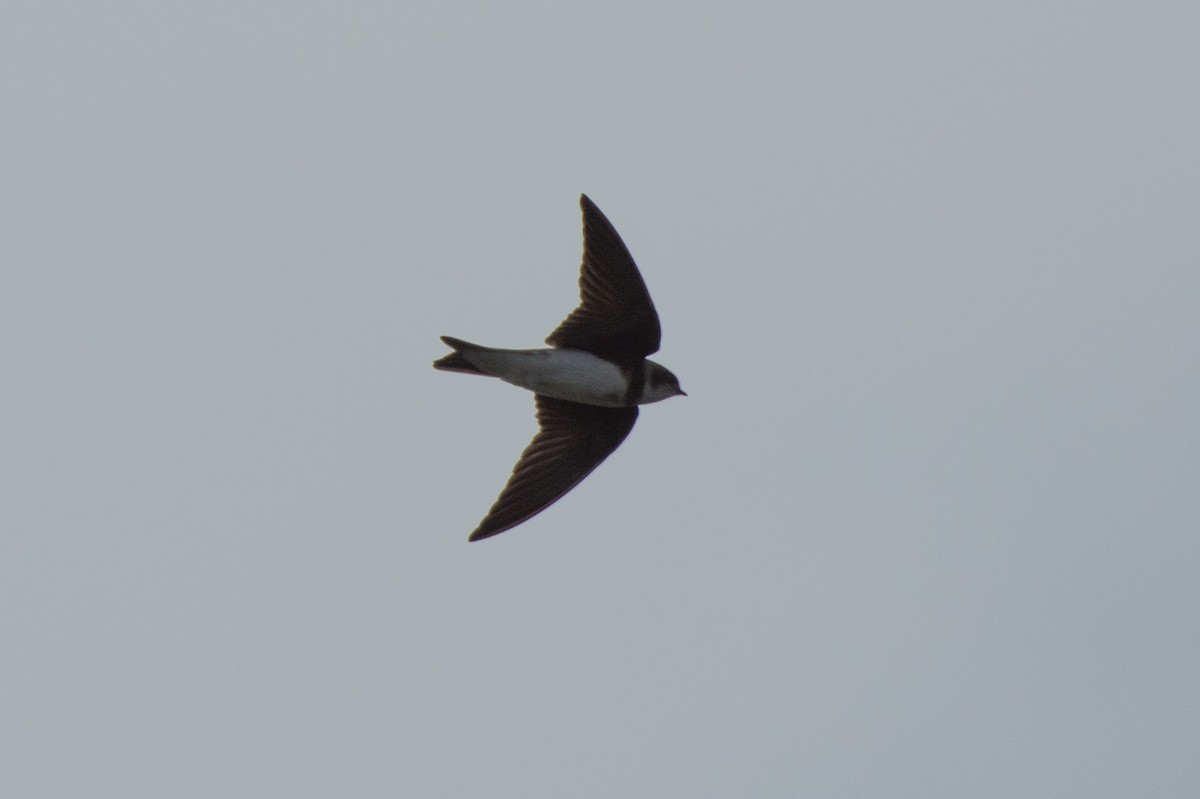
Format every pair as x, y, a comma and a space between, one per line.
660, 384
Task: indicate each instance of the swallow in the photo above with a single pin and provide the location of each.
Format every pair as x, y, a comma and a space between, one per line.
587, 384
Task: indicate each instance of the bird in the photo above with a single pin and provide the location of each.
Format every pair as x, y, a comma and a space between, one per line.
587, 384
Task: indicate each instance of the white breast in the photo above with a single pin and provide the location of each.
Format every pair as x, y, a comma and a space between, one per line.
565, 374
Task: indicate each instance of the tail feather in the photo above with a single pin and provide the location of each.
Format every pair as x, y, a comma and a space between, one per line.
455, 362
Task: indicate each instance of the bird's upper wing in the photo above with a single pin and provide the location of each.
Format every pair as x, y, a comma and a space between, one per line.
573, 440
615, 315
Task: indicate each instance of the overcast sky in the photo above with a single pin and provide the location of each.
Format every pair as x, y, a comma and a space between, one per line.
926, 525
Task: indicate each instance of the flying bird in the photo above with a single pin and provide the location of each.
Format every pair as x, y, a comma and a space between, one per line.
586, 385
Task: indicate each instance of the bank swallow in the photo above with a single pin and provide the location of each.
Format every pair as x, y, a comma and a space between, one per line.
586, 386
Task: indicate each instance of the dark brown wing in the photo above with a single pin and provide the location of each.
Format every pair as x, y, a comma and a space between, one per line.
615, 316
573, 440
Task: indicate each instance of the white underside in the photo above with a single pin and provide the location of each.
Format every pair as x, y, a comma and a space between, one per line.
564, 374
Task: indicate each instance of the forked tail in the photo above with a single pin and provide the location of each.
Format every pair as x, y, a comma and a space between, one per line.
455, 362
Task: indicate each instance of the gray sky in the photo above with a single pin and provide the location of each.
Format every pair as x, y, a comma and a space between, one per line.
926, 525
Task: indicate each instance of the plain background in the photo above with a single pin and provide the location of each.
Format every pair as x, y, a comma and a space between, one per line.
926, 525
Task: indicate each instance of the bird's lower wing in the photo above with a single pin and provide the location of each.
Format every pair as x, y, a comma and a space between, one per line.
573, 440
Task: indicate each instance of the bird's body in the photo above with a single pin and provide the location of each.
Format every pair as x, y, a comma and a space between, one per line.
586, 386
566, 374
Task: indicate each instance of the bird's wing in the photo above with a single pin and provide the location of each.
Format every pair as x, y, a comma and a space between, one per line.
573, 440
615, 314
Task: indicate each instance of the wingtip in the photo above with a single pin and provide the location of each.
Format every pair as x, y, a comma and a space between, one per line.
480, 534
